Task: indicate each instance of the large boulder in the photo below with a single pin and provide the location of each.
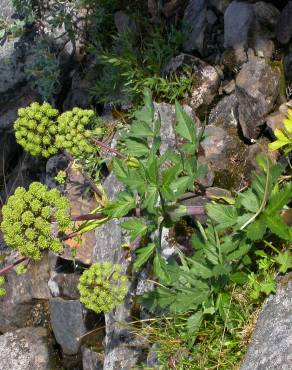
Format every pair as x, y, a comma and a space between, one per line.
257, 88
271, 345
284, 29
26, 348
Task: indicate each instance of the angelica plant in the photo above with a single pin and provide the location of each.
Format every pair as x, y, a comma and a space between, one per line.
27, 219
102, 287
73, 133
35, 129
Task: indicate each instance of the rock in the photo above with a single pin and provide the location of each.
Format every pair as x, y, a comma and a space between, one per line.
77, 190
267, 15
238, 19
206, 84
195, 19
122, 21
14, 56
8, 151
220, 5
68, 323
257, 88
152, 357
167, 114
7, 10
24, 292
225, 113
92, 360
64, 285
228, 86
271, 345
284, 28
288, 66
275, 120
26, 348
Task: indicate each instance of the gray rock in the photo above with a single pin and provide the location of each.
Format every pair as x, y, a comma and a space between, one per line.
238, 19
25, 349
24, 292
284, 28
267, 15
92, 360
195, 18
271, 345
64, 285
256, 91
288, 66
7, 10
217, 146
122, 21
8, 151
67, 318
225, 112
220, 5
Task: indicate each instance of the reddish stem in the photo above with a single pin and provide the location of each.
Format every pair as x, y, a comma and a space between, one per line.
107, 148
88, 217
195, 210
10, 267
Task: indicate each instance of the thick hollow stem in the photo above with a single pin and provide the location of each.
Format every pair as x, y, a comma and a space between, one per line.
107, 148
195, 210
88, 217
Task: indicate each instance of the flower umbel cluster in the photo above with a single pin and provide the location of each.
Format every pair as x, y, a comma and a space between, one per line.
27, 218
35, 129
73, 133
2, 290
102, 287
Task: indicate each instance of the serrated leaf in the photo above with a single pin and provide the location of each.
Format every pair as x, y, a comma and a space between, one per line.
224, 215
284, 260
276, 224
161, 269
200, 270
256, 230
185, 126
120, 169
141, 129
151, 197
136, 147
122, 206
223, 305
239, 253
135, 226
180, 185
249, 201
278, 200
143, 255
239, 278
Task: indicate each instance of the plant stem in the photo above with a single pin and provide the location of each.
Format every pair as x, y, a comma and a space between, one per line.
195, 210
88, 217
10, 267
108, 148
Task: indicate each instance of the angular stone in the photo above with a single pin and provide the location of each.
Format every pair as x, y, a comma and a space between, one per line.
24, 292
225, 113
67, 318
284, 29
27, 348
92, 360
267, 15
257, 88
238, 19
220, 5
271, 345
288, 66
195, 19
64, 285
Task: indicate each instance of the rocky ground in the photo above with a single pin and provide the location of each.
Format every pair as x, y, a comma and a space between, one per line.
235, 49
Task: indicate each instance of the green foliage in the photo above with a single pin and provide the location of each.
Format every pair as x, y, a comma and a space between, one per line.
2, 290
102, 287
35, 129
27, 218
134, 64
284, 136
24, 9
44, 70
72, 133
60, 178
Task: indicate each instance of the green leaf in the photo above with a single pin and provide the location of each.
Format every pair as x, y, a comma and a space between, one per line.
143, 255
223, 305
280, 199
276, 224
239, 278
194, 322
120, 169
136, 147
151, 197
256, 230
284, 260
141, 129
180, 185
185, 126
224, 215
249, 201
135, 226
200, 270
161, 269
239, 253
121, 207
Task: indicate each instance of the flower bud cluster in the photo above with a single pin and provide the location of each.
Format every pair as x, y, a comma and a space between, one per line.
73, 133
102, 287
27, 218
35, 129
